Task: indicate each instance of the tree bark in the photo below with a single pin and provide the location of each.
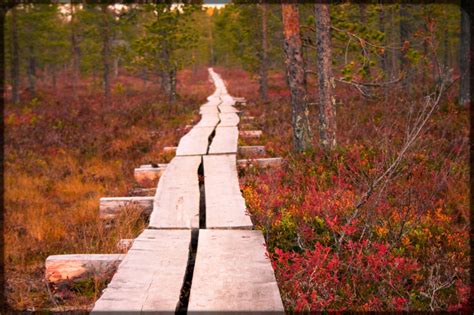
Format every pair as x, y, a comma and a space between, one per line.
404, 39
464, 56
384, 60
264, 55
172, 80
31, 70
327, 102
295, 77
165, 83
53, 77
15, 65
144, 78
106, 51
75, 52
116, 67
366, 58
394, 54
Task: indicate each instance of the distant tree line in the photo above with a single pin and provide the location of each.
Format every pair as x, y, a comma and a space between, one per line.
365, 46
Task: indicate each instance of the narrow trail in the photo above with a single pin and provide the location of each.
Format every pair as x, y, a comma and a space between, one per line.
199, 252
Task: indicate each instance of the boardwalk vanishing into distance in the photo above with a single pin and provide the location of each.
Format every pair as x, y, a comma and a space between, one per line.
199, 251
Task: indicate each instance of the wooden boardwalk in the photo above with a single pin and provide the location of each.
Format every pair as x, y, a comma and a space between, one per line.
199, 252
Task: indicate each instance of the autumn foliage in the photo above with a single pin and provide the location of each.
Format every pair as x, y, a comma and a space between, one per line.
407, 248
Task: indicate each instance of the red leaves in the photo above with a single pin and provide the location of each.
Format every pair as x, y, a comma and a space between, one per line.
322, 279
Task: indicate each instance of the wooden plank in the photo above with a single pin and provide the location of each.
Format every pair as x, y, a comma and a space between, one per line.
252, 149
225, 206
150, 276
208, 120
209, 110
228, 109
70, 267
228, 120
148, 177
232, 273
265, 162
250, 133
225, 140
176, 203
248, 118
227, 99
195, 142
142, 192
110, 207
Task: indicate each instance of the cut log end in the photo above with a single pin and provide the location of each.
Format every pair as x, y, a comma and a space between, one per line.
71, 267
148, 177
250, 133
252, 149
112, 207
264, 163
170, 149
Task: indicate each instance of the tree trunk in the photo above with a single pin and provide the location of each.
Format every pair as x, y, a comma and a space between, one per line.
172, 80
15, 65
106, 51
31, 70
295, 77
53, 77
165, 86
144, 78
366, 57
384, 60
264, 55
394, 54
464, 55
116, 67
75, 52
404, 42
327, 102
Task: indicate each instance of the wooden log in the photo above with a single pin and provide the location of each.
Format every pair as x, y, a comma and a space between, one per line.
110, 207
266, 162
250, 133
252, 149
239, 99
153, 165
136, 192
70, 267
232, 274
225, 206
124, 244
170, 149
244, 117
148, 177
150, 276
246, 126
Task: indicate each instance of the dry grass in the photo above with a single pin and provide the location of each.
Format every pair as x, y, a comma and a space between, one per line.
61, 156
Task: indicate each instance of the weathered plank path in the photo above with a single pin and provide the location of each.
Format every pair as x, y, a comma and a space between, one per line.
199, 252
